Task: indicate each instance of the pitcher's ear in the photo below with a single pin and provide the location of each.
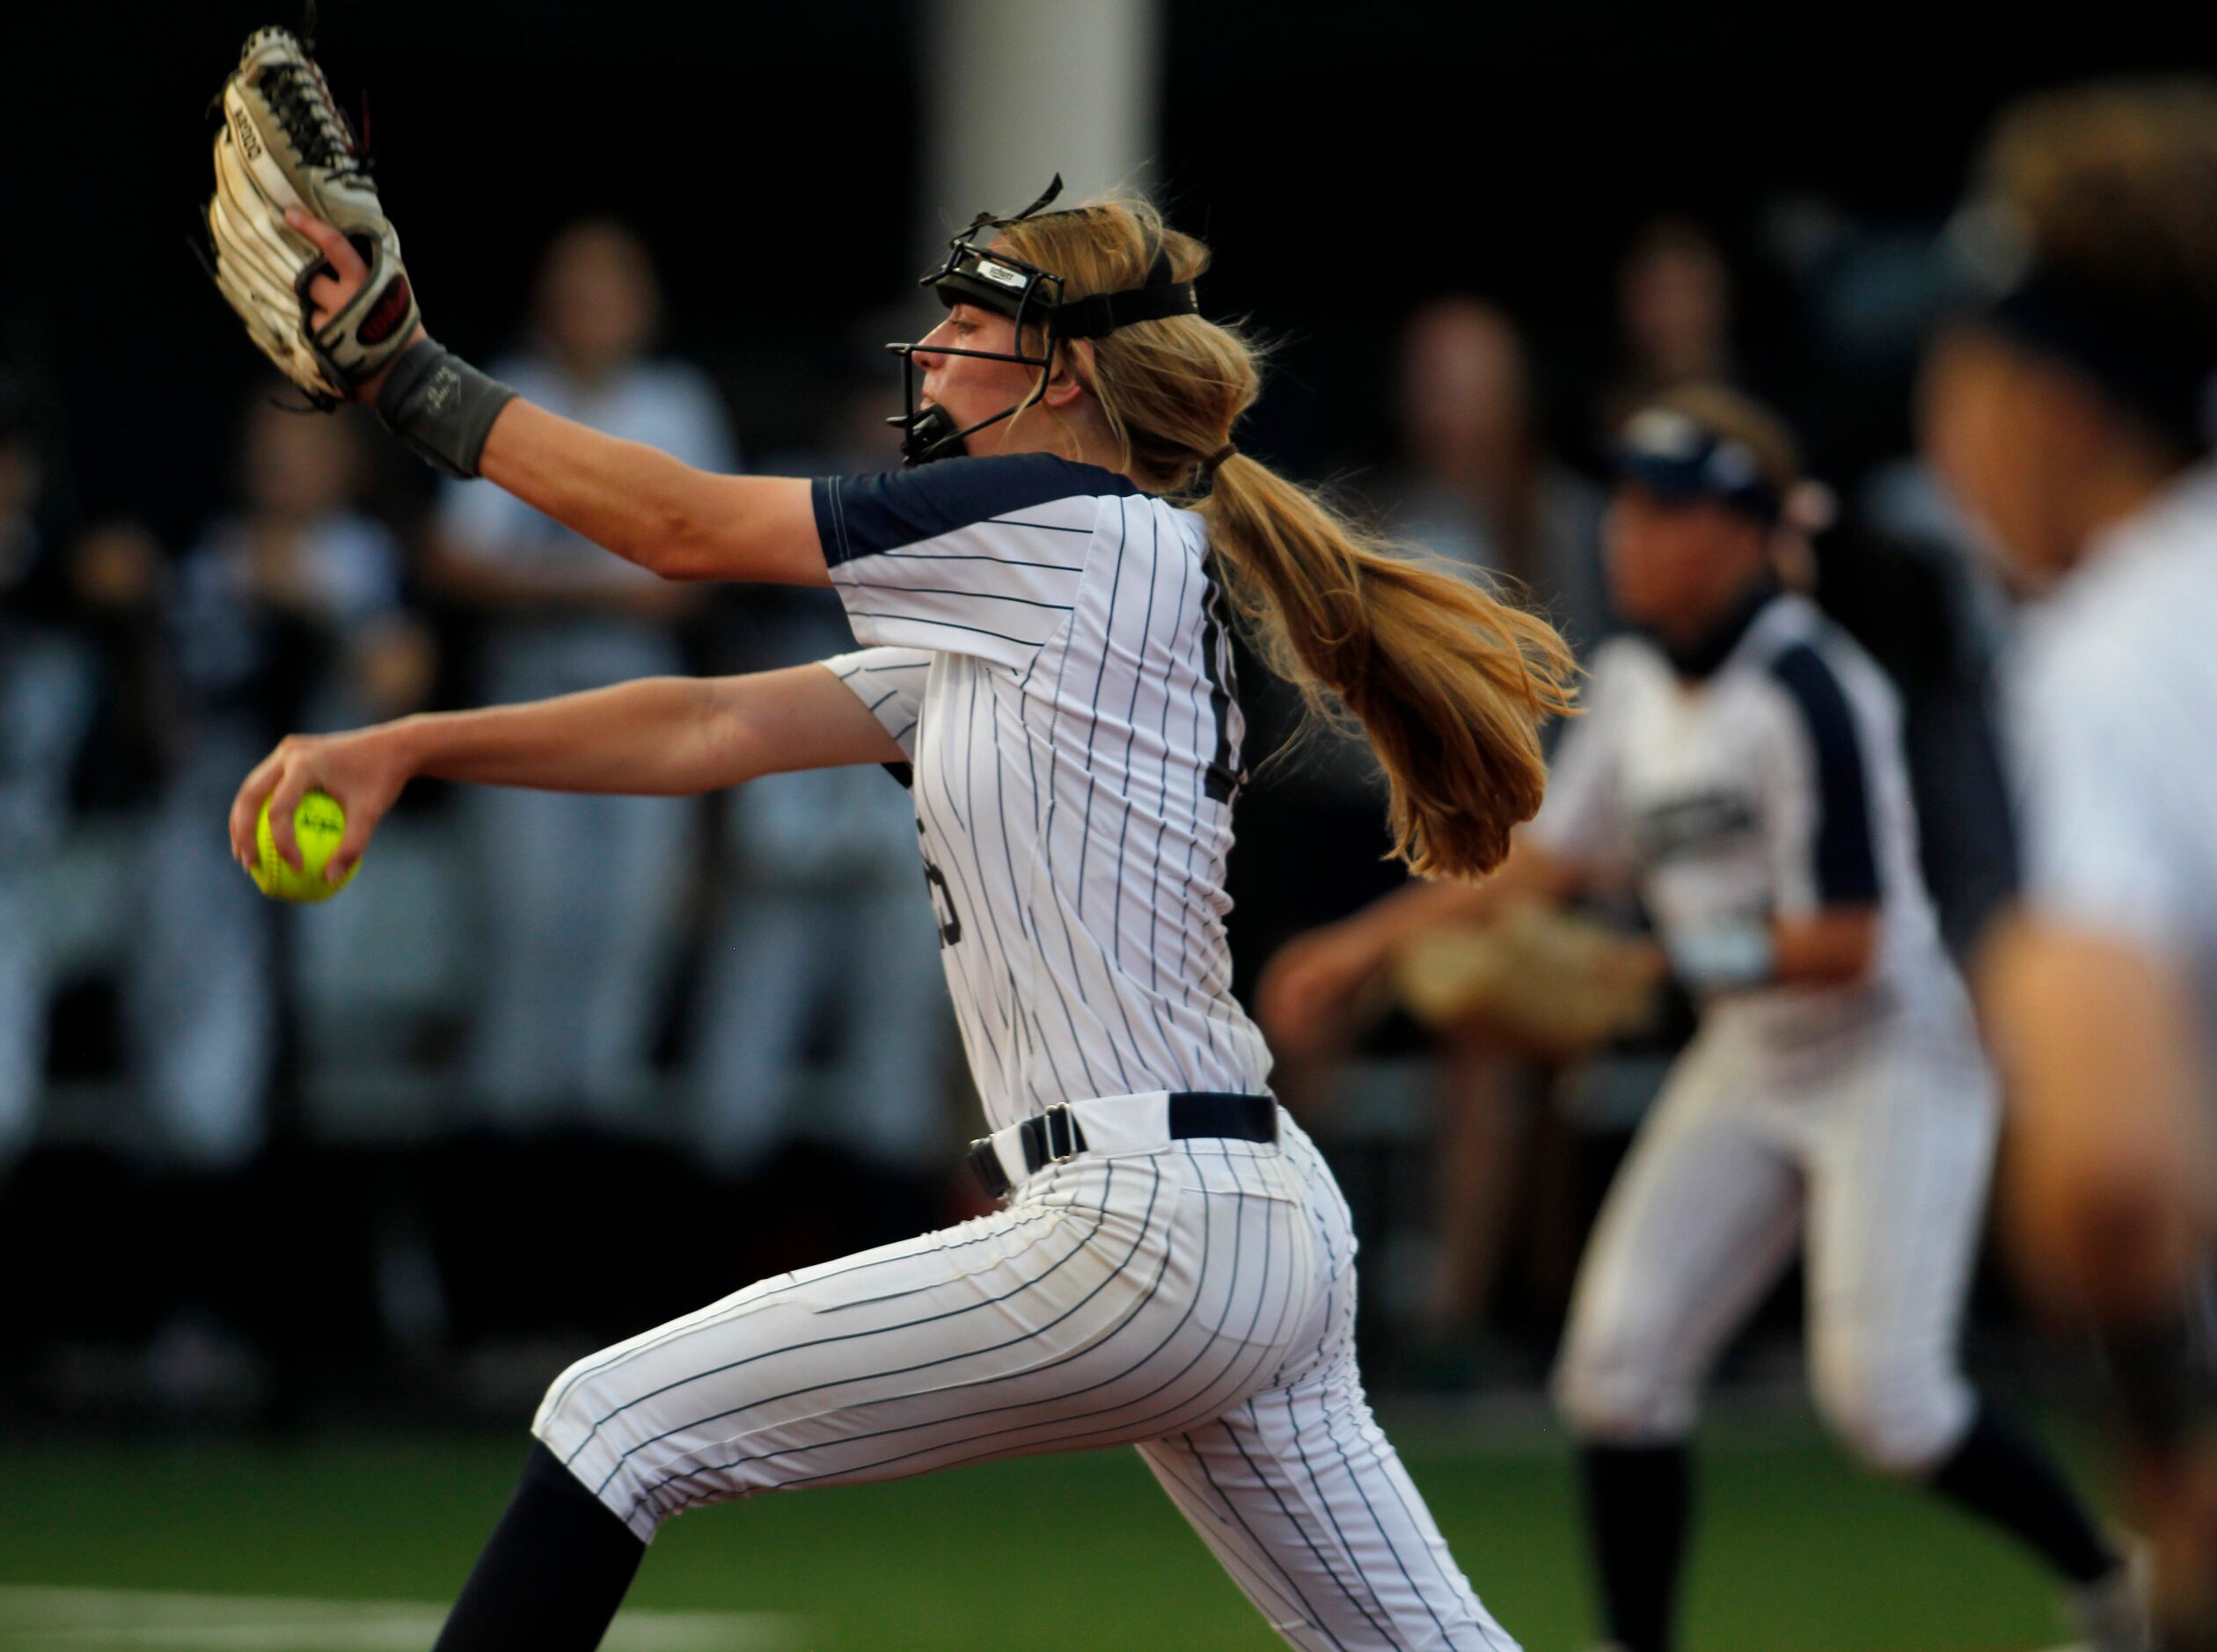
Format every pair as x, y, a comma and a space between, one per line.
1073, 373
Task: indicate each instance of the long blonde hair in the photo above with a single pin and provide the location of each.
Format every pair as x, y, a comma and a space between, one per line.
1449, 681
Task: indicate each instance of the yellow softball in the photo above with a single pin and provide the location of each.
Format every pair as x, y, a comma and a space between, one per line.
319, 823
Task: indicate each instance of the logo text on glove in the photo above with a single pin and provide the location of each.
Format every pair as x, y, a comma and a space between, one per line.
386, 313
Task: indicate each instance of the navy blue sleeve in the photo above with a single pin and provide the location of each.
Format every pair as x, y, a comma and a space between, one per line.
978, 557
1847, 860
867, 516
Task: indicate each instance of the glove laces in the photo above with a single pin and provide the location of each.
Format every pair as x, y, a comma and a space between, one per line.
301, 99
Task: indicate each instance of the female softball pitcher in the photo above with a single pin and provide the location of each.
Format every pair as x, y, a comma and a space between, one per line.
1742, 762
2074, 414
1043, 608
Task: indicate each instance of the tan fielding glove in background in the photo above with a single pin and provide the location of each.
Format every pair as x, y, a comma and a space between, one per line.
1537, 979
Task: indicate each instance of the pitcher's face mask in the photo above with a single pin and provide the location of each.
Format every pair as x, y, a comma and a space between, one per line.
1033, 299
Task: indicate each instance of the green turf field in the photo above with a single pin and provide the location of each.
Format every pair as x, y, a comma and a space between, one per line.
1798, 1553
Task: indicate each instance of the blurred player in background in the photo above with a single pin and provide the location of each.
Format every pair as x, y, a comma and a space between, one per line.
822, 924
576, 967
289, 610
2074, 417
47, 695
1741, 762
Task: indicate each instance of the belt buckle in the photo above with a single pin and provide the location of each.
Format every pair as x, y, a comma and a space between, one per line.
985, 1164
1063, 1150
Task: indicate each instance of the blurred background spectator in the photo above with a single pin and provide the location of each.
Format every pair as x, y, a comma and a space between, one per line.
579, 891
1674, 318
1476, 483
46, 695
289, 612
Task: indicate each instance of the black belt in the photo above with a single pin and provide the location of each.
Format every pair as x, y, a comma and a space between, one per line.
1056, 1135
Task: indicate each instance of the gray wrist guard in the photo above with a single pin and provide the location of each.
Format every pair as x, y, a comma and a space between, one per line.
441, 407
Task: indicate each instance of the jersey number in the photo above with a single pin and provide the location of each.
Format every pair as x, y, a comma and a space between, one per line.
950, 927
1225, 778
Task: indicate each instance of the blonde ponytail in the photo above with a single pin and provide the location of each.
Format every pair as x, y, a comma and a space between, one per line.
1449, 682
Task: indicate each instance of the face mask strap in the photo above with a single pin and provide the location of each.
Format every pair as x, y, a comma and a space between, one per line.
1009, 287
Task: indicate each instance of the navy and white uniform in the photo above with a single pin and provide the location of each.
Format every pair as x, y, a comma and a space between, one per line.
1858, 1122
1046, 644
2113, 692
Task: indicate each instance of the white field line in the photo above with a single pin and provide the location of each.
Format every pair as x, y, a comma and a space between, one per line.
33, 1619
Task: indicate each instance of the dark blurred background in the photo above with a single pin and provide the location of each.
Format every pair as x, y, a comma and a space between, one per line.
298, 1167
1344, 164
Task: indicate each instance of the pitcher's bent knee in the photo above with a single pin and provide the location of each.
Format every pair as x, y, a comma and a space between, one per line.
1897, 1422
584, 1423
1604, 1393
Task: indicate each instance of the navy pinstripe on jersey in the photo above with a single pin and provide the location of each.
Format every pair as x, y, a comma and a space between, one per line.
1047, 645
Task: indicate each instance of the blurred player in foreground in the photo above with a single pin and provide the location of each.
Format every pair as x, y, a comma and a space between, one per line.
1742, 762
1042, 605
2074, 418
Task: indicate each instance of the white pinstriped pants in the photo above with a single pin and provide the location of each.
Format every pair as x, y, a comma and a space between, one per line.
1198, 1303
1877, 1152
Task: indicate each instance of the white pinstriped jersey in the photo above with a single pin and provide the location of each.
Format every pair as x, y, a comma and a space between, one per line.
2114, 737
1046, 644
1045, 647
1775, 787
